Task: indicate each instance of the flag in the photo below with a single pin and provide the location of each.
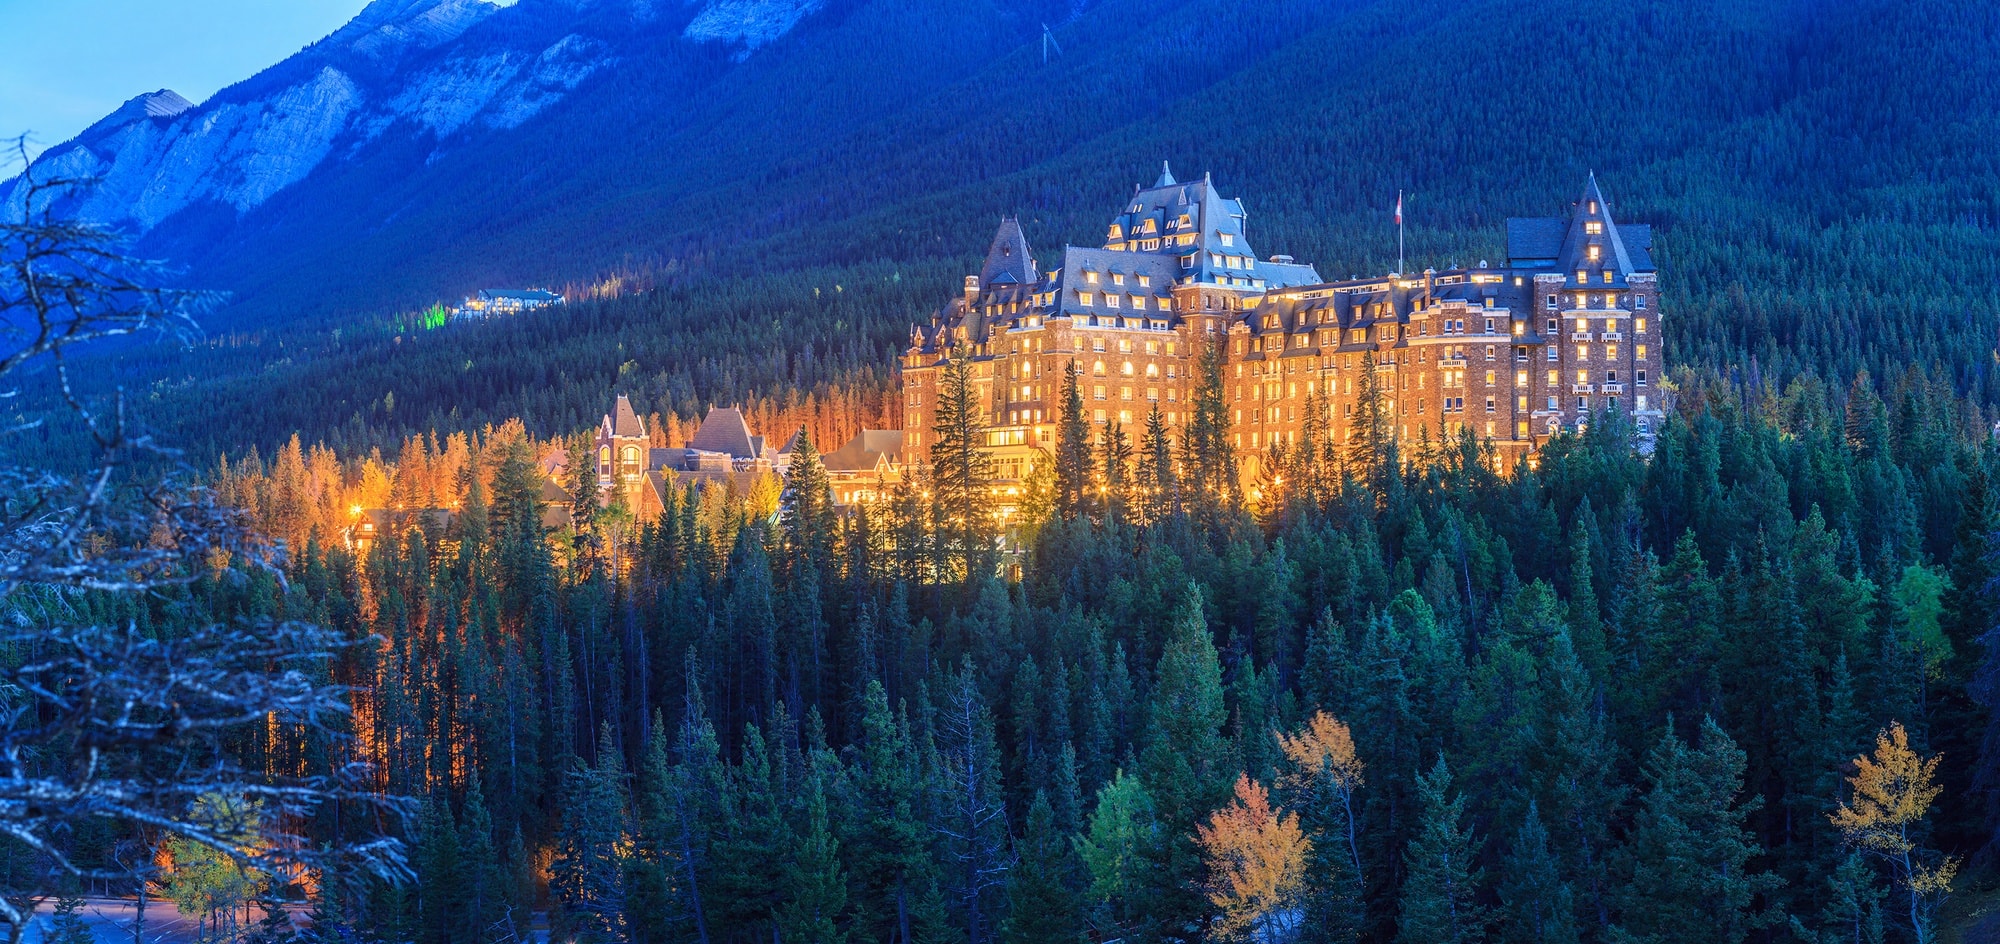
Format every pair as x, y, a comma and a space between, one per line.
1399, 209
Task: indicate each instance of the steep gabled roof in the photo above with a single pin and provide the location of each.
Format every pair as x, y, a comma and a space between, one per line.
625, 422
1008, 260
866, 451
1535, 241
724, 430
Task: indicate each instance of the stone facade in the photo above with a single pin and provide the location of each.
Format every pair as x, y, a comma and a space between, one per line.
1568, 328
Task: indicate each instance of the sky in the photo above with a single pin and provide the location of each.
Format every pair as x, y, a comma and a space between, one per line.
70, 62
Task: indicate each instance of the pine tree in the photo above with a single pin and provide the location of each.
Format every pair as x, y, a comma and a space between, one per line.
1536, 905
1439, 903
1119, 850
1369, 440
1114, 492
960, 471
1689, 851
816, 904
1072, 459
1043, 904
972, 820
1157, 482
586, 878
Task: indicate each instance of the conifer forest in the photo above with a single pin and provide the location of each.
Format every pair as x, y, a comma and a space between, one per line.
1733, 679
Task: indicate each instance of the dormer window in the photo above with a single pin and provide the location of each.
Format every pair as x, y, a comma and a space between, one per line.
1118, 278
1091, 277
1607, 276
1228, 239
1593, 208
1582, 276
1145, 280
1592, 253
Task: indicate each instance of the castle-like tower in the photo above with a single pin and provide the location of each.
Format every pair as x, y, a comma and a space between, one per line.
1567, 328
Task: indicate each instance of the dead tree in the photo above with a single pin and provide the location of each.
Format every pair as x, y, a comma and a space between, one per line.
118, 723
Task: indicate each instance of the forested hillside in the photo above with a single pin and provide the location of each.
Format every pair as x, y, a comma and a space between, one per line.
1597, 699
1815, 172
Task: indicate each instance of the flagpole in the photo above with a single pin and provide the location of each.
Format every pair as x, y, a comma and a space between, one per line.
1399, 233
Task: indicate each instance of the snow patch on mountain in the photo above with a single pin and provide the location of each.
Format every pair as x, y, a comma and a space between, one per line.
752, 23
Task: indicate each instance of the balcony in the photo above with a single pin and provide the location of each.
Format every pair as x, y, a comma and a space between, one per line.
1579, 336
1580, 388
1612, 388
1612, 336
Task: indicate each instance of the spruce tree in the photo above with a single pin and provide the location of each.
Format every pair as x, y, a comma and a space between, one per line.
960, 474
586, 878
1536, 904
1439, 904
1043, 904
816, 902
1072, 459
1688, 879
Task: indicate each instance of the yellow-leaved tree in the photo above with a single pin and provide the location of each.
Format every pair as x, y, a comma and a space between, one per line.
1256, 858
1893, 789
1324, 764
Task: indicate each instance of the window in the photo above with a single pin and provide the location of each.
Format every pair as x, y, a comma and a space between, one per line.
1583, 352
1126, 369
1489, 321
1611, 352
1583, 375
1581, 277
1097, 392
1489, 352
1097, 344
1519, 327
1639, 380
1554, 355
1551, 303
1521, 403
1085, 298
1228, 239
1145, 280
1639, 302
1582, 404
1555, 327
1118, 278
1124, 393
1520, 378
1592, 252
1521, 429
1639, 350
1582, 326
1639, 324
1552, 405
1593, 227
1097, 369
1110, 300
1098, 415
1611, 376
1607, 280
1554, 378
1090, 277
1642, 403
1489, 405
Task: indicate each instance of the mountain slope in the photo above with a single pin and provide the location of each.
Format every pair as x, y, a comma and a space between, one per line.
1816, 171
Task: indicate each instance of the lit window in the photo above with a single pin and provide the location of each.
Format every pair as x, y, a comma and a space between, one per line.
1583, 375
1592, 253
1228, 239
1554, 378
1118, 278
1520, 378
1090, 277
1607, 277
1639, 325
1085, 298
1593, 227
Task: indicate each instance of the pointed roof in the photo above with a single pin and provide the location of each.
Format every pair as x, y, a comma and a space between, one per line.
1166, 176
725, 431
624, 421
1008, 259
1564, 245
866, 451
